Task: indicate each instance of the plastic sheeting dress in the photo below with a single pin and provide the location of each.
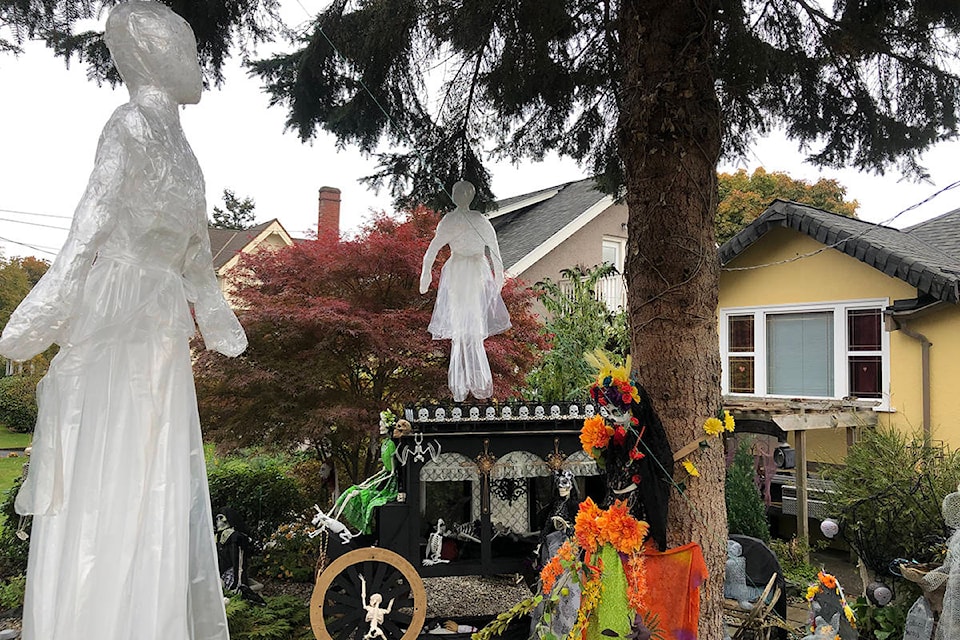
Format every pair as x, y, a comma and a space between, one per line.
122, 544
469, 307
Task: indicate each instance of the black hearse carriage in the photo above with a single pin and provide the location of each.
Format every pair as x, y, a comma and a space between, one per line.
483, 474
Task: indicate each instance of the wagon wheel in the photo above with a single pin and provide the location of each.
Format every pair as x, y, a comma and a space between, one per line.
336, 609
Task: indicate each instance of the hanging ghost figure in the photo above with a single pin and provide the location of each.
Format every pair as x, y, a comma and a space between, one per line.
469, 307
122, 544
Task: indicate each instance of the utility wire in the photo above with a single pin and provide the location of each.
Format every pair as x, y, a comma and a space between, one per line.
40, 215
34, 224
29, 246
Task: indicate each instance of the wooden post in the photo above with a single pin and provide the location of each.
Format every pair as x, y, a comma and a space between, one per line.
803, 523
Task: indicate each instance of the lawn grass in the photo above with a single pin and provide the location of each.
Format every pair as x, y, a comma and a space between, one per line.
11, 440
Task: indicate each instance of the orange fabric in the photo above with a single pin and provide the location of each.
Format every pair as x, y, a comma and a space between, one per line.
673, 588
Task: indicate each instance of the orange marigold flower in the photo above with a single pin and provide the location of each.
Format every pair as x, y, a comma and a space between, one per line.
621, 529
549, 574
586, 529
595, 434
565, 552
828, 580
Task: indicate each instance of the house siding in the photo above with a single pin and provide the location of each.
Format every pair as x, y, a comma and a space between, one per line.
831, 276
585, 248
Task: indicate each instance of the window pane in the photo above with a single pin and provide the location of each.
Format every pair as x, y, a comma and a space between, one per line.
741, 333
863, 329
610, 254
741, 374
800, 354
865, 376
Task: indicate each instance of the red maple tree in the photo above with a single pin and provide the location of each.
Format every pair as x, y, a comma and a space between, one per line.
337, 333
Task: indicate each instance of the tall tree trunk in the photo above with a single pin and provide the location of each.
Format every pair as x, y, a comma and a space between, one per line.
669, 133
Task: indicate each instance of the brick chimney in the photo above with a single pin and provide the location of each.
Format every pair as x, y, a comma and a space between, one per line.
328, 218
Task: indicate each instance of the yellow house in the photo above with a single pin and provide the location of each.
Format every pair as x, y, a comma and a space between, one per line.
827, 322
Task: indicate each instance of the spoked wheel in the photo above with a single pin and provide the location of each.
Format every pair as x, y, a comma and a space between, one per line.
337, 608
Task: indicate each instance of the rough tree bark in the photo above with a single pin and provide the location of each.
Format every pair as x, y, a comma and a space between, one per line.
669, 132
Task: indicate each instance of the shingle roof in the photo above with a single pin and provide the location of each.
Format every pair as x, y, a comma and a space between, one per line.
942, 232
521, 231
907, 255
226, 243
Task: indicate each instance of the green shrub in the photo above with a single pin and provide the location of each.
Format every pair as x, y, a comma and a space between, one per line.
888, 494
792, 555
11, 593
881, 623
290, 553
13, 550
259, 488
18, 402
283, 618
746, 512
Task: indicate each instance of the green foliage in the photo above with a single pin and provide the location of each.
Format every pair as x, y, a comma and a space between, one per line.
13, 551
881, 623
578, 323
291, 554
18, 402
746, 512
498, 625
744, 197
239, 212
548, 76
11, 592
283, 618
887, 496
259, 488
792, 555
219, 27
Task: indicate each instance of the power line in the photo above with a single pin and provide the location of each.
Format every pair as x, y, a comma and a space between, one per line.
39, 215
29, 246
34, 224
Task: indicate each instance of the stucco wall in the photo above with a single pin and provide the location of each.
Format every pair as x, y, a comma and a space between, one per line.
833, 276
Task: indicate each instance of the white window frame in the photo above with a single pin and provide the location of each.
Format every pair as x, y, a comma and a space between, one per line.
841, 343
620, 244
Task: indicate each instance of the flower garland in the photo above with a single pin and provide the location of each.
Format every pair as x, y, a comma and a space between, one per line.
829, 582
579, 559
613, 388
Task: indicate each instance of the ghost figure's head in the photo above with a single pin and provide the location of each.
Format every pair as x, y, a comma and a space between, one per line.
463, 193
152, 46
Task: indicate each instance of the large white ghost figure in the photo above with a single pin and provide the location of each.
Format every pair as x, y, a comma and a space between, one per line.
469, 307
122, 544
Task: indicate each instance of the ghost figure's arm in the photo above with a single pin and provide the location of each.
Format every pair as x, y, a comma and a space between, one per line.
439, 240
218, 324
44, 315
490, 238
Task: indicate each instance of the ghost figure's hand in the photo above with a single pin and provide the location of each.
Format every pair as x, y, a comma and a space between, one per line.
425, 279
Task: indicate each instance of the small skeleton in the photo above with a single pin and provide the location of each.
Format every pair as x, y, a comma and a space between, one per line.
435, 545
375, 614
323, 521
419, 451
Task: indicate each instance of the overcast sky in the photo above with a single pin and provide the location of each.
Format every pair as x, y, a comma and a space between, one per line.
52, 116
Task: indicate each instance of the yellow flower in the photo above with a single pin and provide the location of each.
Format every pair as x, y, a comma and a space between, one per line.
691, 468
812, 592
728, 422
847, 611
713, 426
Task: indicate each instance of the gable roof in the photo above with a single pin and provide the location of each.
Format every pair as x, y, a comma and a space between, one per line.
225, 244
942, 232
908, 255
530, 226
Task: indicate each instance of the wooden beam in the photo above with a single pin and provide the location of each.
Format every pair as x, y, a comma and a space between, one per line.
803, 523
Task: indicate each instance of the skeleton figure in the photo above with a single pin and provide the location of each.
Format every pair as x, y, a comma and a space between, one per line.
435, 545
375, 613
323, 521
949, 573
